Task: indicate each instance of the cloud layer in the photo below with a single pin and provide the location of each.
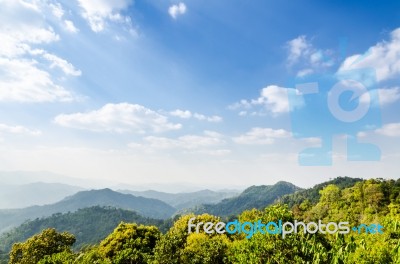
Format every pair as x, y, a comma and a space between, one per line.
118, 118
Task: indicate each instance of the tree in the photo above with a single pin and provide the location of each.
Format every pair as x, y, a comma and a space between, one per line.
179, 246
130, 243
46, 243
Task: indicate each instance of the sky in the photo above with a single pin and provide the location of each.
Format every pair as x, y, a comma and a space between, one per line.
208, 93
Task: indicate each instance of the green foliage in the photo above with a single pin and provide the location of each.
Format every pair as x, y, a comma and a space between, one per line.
65, 257
312, 194
369, 202
267, 248
130, 243
144, 206
90, 225
46, 243
179, 246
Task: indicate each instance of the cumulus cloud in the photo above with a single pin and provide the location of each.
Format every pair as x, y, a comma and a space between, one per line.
259, 135
69, 26
22, 81
298, 47
386, 96
389, 130
176, 10
118, 118
214, 119
98, 12
273, 99
25, 76
208, 143
186, 114
301, 51
384, 57
18, 130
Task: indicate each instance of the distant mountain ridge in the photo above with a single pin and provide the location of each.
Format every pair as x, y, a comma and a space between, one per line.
105, 197
37, 193
185, 200
253, 197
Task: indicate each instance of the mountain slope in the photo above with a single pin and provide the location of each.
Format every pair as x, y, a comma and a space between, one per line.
38, 193
104, 197
253, 197
312, 194
89, 225
185, 200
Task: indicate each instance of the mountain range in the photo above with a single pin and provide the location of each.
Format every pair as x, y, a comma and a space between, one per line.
186, 199
105, 197
253, 197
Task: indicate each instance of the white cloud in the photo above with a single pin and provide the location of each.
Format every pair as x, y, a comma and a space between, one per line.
302, 52
69, 26
97, 12
259, 135
190, 142
18, 130
57, 10
21, 80
304, 72
181, 113
176, 10
64, 65
384, 57
15, 40
386, 96
186, 114
214, 119
273, 98
203, 144
119, 118
390, 130
298, 47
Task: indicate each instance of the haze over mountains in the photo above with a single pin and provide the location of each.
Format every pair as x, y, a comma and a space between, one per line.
37, 193
26, 177
253, 197
152, 204
92, 214
187, 199
104, 197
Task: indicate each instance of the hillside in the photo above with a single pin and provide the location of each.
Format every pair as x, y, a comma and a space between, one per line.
105, 197
374, 203
37, 193
90, 225
185, 200
253, 197
313, 195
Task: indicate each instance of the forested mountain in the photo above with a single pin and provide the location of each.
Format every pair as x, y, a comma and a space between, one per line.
38, 193
185, 200
313, 194
105, 197
90, 225
364, 205
253, 197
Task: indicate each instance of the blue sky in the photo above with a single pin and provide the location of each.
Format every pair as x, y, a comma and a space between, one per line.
203, 92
